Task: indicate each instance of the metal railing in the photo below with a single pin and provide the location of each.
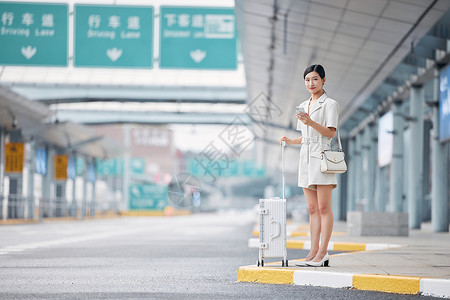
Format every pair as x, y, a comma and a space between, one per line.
40, 208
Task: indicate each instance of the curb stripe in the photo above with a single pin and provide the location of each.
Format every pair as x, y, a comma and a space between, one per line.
349, 247
293, 244
266, 275
435, 287
387, 283
324, 279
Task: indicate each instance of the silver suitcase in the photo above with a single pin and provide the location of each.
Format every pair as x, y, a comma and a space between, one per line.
272, 226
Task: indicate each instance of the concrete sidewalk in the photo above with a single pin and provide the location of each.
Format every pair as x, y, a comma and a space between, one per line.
419, 263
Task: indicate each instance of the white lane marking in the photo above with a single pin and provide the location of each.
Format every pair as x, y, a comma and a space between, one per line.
69, 240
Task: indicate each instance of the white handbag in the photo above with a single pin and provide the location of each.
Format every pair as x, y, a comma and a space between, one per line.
332, 162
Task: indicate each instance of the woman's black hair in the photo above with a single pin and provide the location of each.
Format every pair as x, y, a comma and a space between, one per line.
315, 68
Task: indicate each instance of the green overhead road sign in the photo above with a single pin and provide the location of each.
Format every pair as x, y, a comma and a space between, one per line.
33, 34
224, 168
197, 38
113, 36
148, 196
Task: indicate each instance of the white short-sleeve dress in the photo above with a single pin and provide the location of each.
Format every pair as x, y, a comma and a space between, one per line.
309, 174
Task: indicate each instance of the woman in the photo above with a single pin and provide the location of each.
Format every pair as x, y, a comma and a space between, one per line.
316, 185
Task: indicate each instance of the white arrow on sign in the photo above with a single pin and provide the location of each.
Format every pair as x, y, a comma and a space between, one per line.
28, 51
198, 55
114, 53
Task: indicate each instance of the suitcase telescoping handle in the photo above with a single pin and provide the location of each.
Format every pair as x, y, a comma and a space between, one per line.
283, 145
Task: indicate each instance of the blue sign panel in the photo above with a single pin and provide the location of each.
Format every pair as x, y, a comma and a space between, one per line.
41, 161
71, 168
91, 172
197, 38
444, 106
33, 34
113, 36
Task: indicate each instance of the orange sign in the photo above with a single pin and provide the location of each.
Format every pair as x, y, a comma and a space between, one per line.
61, 163
14, 157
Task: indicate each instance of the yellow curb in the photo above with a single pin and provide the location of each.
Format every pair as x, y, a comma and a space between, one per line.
387, 283
299, 233
255, 233
17, 222
295, 244
349, 247
264, 275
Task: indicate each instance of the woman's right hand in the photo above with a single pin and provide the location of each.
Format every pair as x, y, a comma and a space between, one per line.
287, 140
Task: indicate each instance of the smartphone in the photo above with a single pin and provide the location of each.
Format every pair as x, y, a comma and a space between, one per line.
299, 109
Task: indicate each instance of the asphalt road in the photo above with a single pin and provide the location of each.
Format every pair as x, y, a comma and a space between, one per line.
189, 257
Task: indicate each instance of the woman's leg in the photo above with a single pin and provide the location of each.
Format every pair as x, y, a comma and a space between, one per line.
326, 219
314, 221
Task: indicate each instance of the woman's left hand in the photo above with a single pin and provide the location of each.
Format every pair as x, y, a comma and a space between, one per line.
304, 118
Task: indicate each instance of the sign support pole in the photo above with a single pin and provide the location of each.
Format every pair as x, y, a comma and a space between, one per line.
2, 171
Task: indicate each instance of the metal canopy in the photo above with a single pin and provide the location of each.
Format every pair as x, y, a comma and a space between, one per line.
359, 42
17, 111
75, 137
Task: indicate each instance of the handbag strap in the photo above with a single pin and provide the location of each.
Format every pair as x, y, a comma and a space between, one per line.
337, 129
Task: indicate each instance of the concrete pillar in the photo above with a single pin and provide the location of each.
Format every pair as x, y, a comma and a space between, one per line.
382, 188
2, 171
341, 211
415, 176
31, 172
85, 181
381, 185
126, 166
396, 184
426, 182
439, 180
370, 145
43, 202
74, 206
351, 176
359, 174
61, 201
50, 183
335, 199
93, 199
46, 204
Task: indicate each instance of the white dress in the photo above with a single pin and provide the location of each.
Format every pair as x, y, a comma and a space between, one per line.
309, 174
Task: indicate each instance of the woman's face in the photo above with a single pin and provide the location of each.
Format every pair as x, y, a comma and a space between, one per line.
313, 82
